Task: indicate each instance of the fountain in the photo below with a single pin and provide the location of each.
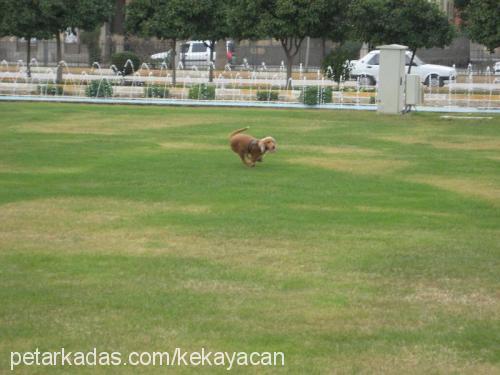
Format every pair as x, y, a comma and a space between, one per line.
470, 81
233, 87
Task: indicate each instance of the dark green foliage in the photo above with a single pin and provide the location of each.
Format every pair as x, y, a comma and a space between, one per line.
156, 91
288, 21
413, 23
313, 95
84, 14
164, 19
180, 19
333, 22
50, 89
120, 60
482, 20
58, 15
202, 92
91, 40
264, 96
23, 19
336, 64
99, 89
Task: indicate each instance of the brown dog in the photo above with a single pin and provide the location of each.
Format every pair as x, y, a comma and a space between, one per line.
250, 149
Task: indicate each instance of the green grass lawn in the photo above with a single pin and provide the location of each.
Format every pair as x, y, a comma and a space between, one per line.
366, 244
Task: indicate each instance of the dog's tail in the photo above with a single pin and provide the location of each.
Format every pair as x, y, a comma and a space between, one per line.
237, 132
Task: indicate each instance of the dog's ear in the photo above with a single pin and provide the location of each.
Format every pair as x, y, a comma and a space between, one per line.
262, 146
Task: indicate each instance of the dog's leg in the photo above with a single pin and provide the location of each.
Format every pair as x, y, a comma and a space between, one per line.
244, 160
252, 160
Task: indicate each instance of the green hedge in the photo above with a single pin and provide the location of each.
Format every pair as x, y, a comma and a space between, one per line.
120, 61
156, 91
264, 96
50, 89
202, 92
99, 89
314, 95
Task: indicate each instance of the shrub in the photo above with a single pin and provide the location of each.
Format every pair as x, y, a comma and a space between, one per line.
264, 96
367, 89
120, 61
372, 100
327, 94
202, 92
156, 91
311, 95
99, 89
50, 89
336, 64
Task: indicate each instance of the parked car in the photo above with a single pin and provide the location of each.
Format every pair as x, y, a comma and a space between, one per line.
367, 70
197, 52
160, 57
496, 68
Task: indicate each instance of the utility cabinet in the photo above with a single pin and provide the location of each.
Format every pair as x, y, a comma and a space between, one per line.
391, 96
414, 92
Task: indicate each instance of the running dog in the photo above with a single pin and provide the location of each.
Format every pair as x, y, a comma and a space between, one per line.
250, 149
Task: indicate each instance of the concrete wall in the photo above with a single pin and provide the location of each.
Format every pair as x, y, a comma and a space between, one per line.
44, 51
457, 53
271, 52
461, 52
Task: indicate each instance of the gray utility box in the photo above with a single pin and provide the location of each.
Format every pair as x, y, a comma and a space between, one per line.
414, 91
391, 96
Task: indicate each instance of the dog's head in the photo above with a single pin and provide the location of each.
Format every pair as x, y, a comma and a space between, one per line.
267, 144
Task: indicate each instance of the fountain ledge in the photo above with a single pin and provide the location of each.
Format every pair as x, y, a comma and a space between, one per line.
227, 103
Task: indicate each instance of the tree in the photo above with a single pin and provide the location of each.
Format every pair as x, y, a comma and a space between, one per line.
208, 20
23, 19
414, 23
333, 24
164, 19
288, 21
60, 15
482, 22
336, 64
369, 19
461, 4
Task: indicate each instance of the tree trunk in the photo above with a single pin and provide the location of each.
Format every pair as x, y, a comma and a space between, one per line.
28, 57
174, 67
211, 66
291, 46
411, 60
220, 55
59, 75
289, 65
